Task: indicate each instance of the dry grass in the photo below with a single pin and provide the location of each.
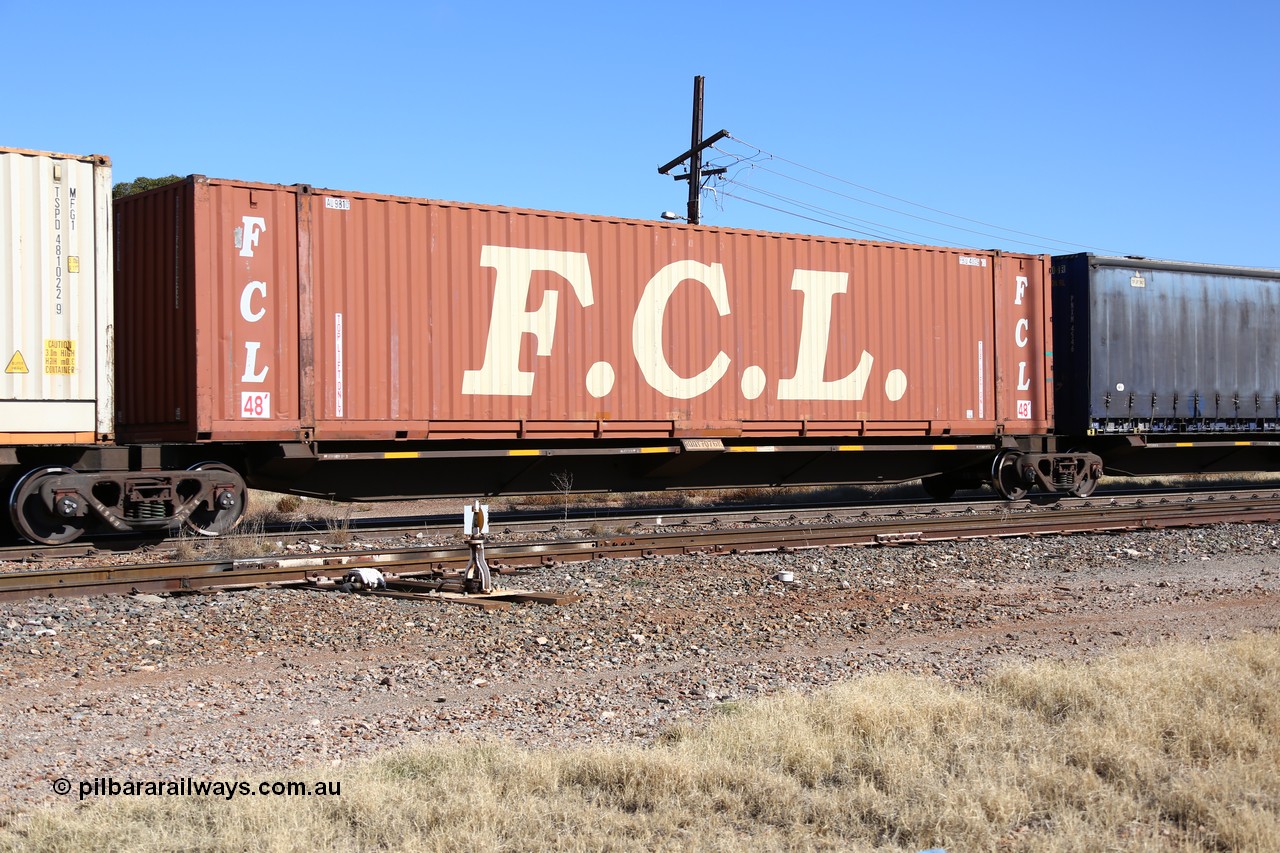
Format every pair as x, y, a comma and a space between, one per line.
271, 508
288, 504
337, 519
250, 538
1243, 479
1168, 749
187, 546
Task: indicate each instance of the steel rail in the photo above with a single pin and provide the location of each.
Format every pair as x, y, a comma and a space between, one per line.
522, 521
208, 576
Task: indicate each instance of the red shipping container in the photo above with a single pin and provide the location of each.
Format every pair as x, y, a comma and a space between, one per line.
253, 312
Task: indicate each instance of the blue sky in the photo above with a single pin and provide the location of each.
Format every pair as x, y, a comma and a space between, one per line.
1131, 127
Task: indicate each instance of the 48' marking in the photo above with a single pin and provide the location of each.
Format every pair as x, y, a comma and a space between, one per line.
255, 404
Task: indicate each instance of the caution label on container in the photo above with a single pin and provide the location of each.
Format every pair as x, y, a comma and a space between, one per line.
59, 356
17, 364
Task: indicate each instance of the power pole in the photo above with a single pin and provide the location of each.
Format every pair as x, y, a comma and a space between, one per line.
694, 155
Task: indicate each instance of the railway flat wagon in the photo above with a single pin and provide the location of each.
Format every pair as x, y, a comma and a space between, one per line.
1168, 367
366, 346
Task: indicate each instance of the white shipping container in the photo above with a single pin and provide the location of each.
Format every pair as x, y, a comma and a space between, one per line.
56, 298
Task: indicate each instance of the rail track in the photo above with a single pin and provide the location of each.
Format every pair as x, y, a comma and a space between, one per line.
556, 523
701, 536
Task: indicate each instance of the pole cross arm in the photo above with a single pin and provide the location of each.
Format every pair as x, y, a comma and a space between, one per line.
706, 143
705, 173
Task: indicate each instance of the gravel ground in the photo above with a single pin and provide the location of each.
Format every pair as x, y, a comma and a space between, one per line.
159, 687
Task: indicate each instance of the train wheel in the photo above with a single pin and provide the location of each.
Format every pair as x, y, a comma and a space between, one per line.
33, 519
228, 502
1004, 476
1090, 480
1087, 484
1086, 487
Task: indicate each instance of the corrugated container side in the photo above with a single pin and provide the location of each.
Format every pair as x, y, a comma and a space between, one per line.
374, 317
1024, 343
55, 283
446, 319
247, 248
155, 343
201, 356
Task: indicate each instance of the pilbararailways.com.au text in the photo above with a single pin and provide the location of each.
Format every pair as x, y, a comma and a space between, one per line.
187, 787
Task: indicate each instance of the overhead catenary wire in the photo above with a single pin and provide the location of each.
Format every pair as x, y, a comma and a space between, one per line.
888, 229
883, 232
728, 194
778, 157
755, 162
1038, 245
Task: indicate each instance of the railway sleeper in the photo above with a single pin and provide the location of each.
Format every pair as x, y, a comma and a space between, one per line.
55, 505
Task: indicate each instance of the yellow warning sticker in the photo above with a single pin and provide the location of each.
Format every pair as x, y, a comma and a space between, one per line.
59, 356
73, 263
17, 364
